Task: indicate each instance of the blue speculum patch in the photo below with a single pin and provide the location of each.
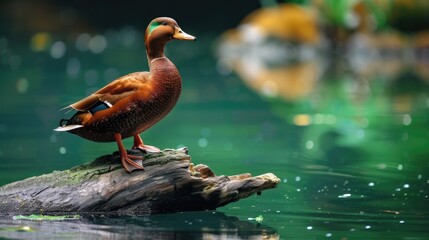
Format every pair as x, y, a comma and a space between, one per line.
99, 107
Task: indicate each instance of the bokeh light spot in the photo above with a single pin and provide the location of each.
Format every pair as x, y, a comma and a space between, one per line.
40, 41
302, 120
22, 85
97, 44
58, 49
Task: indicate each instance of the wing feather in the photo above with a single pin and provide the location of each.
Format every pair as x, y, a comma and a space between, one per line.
115, 91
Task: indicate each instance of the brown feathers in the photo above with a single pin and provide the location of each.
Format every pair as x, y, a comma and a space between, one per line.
115, 91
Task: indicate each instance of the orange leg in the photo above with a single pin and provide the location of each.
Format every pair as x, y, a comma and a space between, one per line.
138, 144
126, 159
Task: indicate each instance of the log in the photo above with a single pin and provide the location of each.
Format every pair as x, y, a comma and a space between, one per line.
169, 183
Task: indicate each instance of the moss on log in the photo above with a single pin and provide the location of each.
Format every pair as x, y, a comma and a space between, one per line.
169, 183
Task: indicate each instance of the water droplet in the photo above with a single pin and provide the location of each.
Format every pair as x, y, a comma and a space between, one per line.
202, 142
406, 185
309, 144
82, 42
406, 119
371, 184
22, 85
345, 195
328, 235
26, 228
402, 221
63, 150
259, 218
360, 133
97, 44
297, 178
309, 227
400, 167
285, 180
53, 138
382, 166
58, 50
367, 227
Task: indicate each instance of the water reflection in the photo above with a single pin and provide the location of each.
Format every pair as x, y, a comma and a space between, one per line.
276, 51
283, 52
351, 118
197, 225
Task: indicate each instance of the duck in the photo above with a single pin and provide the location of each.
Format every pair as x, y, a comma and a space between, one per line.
132, 103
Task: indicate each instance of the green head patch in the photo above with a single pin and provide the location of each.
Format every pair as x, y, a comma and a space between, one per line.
152, 26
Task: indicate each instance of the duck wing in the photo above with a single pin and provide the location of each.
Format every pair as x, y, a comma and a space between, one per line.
114, 91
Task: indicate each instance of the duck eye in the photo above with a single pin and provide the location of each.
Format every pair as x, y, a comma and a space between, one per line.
164, 23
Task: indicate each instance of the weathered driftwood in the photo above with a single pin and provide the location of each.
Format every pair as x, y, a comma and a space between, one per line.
169, 183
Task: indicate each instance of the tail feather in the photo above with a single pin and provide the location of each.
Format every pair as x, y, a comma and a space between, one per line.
75, 122
69, 124
68, 108
67, 128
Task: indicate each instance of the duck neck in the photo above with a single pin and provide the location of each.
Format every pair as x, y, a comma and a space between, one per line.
163, 71
154, 49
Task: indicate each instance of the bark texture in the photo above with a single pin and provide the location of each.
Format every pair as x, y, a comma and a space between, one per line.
169, 183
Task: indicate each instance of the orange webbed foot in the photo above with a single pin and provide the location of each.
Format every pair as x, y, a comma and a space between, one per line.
138, 144
147, 148
131, 163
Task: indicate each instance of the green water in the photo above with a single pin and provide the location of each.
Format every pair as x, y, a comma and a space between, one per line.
352, 154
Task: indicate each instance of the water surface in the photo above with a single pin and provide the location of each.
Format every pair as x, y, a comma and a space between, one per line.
352, 151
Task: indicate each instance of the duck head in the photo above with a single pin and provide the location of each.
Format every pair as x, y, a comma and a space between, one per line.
159, 32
